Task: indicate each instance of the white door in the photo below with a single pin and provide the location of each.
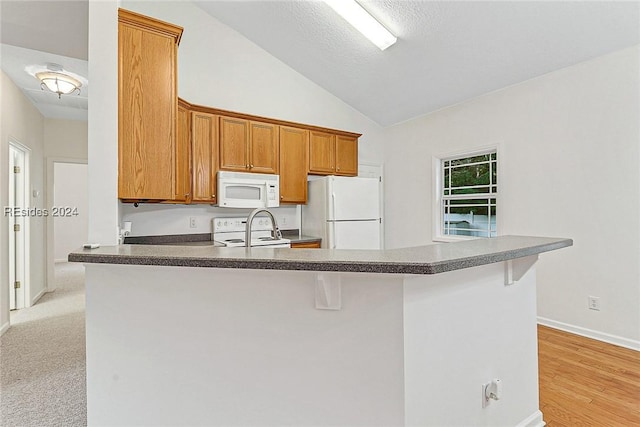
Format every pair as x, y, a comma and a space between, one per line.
17, 227
354, 235
354, 198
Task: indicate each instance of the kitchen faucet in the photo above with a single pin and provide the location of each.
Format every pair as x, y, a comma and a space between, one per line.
275, 234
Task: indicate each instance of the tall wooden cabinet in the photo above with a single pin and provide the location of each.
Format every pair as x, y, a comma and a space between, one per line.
204, 139
151, 162
294, 143
183, 152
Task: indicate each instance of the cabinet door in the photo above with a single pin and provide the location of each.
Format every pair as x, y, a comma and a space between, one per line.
321, 153
263, 147
346, 155
234, 144
294, 144
205, 157
183, 156
314, 245
146, 114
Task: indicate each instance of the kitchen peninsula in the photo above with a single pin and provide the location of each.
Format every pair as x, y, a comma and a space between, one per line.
199, 335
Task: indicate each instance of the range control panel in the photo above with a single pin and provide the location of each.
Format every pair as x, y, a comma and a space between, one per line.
226, 225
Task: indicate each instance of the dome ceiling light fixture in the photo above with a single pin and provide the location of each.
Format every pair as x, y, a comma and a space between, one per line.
57, 81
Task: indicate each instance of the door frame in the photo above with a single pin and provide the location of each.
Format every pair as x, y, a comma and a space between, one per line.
24, 301
49, 226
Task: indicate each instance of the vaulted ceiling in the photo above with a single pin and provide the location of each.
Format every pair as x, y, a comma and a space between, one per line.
35, 33
447, 51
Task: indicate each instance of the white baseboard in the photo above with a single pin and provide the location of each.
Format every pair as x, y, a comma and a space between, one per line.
534, 420
4, 328
590, 333
37, 297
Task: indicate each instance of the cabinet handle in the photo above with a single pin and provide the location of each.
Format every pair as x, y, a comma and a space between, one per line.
338, 169
251, 166
187, 195
281, 197
213, 196
247, 167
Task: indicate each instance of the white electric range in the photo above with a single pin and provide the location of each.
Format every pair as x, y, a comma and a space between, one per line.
230, 232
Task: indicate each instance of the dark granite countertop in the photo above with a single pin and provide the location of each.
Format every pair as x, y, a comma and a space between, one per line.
431, 259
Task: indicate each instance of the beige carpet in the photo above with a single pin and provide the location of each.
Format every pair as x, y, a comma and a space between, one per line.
42, 358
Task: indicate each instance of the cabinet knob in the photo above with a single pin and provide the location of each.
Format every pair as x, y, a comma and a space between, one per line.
187, 195
337, 169
246, 167
281, 197
213, 196
251, 166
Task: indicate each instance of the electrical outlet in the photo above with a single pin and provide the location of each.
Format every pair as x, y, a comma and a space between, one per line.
594, 303
283, 221
192, 222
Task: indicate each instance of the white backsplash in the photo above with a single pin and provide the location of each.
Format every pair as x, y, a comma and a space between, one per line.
153, 219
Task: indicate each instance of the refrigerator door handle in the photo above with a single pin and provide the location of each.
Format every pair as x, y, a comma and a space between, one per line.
333, 206
332, 234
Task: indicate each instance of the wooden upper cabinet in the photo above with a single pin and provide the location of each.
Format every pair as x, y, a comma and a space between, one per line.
248, 146
333, 154
346, 155
234, 144
204, 131
183, 156
149, 165
294, 144
263, 147
321, 152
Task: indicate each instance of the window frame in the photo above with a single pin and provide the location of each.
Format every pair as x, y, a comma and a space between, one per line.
438, 212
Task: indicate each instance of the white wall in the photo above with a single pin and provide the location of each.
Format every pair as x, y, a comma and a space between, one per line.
152, 219
65, 141
65, 138
220, 68
102, 151
570, 164
70, 191
22, 122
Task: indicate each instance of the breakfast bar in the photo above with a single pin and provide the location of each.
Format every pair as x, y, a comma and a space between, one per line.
202, 335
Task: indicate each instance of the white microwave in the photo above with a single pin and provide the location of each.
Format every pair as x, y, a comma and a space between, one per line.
248, 190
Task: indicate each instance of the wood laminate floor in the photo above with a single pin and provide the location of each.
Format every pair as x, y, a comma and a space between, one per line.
584, 382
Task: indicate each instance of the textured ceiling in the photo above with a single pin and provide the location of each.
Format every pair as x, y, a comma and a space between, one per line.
59, 27
447, 52
34, 33
16, 61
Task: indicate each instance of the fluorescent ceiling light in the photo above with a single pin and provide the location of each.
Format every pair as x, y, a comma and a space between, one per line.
363, 22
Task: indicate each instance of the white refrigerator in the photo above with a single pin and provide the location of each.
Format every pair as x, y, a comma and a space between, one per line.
344, 212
